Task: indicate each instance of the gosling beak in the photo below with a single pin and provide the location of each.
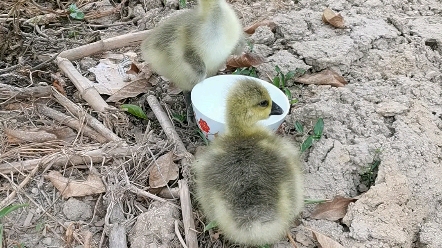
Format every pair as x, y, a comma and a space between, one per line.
276, 110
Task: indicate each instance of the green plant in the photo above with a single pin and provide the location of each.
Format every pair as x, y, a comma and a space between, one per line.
247, 71
179, 117
134, 110
317, 133
211, 225
183, 4
368, 177
5, 211
75, 13
281, 79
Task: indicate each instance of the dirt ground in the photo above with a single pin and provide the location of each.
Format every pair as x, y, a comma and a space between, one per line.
390, 112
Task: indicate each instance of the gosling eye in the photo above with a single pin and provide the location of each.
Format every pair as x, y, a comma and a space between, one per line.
263, 103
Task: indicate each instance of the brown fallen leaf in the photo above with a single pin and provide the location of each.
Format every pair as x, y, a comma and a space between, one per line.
333, 210
330, 17
133, 69
244, 60
325, 241
325, 77
69, 188
132, 89
162, 171
69, 234
251, 29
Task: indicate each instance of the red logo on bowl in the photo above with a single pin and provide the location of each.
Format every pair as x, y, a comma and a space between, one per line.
203, 125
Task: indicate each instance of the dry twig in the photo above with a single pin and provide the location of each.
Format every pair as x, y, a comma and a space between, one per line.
70, 122
84, 85
80, 113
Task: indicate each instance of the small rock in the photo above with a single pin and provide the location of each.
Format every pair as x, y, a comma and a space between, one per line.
47, 241
34, 191
388, 109
263, 35
172, 4
76, 210
156, 226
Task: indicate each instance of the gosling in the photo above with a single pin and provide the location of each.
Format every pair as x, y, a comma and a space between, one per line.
193, 45
249, 180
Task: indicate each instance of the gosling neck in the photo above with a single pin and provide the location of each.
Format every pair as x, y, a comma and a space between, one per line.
207, 6
240, 127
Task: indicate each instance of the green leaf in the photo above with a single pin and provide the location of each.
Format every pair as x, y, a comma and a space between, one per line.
298, 127
264, 246
313, 201
293, 101
73, 8
289, 75
276, 81
134, 110
6, 210
288, 93
77, 15
307, 143
183, 4
299, 72
319, 127
211, 225
282, 80
277, 69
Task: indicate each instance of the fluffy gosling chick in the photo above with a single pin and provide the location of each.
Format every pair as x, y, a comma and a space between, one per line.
249, 180
193, 45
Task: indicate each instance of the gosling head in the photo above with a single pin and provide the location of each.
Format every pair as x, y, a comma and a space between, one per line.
247, 103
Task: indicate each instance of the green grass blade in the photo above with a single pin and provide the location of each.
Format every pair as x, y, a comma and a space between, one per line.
6, 210
298, 127
276, 81
319, 127
307, 143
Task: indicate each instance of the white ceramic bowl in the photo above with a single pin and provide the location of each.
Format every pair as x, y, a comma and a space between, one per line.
209, 103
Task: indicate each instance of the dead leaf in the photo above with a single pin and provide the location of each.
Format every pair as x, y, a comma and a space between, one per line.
132, 89
69, 234
69, 188
330, 17
333, 210
163, 171
325, 77
39, 135
133, 69
58, 83
251, 29
324, 241
244, 60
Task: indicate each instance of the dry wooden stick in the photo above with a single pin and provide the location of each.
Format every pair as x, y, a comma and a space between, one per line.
10, 93
84, 85
178, 234
143, 193
70, 122
104, 45
79, 113
166, 124
11, 196
86, 156
186, 204
186, 209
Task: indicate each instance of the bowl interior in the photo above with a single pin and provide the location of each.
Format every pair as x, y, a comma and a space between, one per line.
209, 97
